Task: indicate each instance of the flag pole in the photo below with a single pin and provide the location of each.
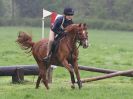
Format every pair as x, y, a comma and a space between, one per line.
43, 27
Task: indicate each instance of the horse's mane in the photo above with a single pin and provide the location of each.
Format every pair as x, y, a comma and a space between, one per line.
70, 27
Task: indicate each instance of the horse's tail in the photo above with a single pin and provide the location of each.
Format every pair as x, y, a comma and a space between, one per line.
25, 41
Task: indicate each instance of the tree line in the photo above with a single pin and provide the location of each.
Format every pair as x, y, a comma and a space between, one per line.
91, 10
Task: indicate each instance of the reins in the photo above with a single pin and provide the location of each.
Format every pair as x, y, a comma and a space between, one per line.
72, 43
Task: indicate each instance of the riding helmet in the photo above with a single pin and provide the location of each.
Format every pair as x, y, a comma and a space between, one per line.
68, 11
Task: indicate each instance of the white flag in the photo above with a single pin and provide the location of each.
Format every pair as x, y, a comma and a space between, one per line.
46, 13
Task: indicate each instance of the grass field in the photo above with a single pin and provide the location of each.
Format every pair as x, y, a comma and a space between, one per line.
109, 49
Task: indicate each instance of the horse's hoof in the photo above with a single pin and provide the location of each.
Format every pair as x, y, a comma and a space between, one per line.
37, 87
47, 88
73, 86
79, 84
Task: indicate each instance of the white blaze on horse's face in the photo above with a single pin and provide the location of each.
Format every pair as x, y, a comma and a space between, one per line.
83, 35
85, 41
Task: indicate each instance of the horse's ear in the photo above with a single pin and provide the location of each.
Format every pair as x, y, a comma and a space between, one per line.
84, 24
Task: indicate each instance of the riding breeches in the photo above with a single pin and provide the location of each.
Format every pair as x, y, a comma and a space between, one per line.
51, 36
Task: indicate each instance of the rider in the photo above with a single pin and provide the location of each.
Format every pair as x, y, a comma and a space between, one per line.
58, 28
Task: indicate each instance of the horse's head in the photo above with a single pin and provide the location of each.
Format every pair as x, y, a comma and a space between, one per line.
78, 32
82, 34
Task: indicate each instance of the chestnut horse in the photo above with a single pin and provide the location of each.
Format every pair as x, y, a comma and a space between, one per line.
66, 55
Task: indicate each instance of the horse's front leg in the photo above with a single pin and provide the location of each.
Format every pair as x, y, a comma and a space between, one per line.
70, 69
77, 73
72, 80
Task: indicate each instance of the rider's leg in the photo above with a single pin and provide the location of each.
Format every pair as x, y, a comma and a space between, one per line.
50, 42
51, 39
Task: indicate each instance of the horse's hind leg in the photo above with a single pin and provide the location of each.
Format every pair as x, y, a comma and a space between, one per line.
43, 72
39, 76
38, 81
44, 79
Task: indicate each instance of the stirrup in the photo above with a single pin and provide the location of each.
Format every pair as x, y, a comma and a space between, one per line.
46, 59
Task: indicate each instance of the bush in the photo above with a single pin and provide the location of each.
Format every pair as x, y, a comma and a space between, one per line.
93, 23
23, 22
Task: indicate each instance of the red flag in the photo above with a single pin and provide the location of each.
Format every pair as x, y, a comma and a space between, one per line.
53, 17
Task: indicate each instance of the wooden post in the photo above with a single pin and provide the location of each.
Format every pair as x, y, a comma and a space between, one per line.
106, 76
18, 76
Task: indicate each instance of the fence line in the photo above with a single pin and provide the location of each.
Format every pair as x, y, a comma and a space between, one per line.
18, 71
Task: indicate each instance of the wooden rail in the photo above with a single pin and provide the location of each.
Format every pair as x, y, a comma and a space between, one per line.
106, 76
10, 70
100, 70
18, 71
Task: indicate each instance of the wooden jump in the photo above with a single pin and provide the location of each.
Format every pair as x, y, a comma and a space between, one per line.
107, 76
100, 70
33, 70
10, 70
18, 71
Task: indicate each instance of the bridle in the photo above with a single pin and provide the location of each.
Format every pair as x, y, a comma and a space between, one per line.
81, 38
77, 38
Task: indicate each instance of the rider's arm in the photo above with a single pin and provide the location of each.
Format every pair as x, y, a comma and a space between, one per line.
57, 25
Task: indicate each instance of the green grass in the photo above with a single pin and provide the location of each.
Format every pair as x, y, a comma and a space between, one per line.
60, 88
109, 49
10, 52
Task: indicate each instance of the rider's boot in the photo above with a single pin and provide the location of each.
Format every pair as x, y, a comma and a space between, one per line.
47, 58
